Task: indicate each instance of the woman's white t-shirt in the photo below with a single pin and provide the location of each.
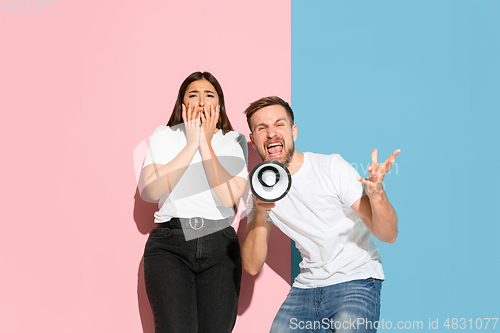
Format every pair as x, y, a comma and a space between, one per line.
192, 195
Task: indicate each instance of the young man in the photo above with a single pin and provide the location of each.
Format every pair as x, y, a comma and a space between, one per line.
330, 215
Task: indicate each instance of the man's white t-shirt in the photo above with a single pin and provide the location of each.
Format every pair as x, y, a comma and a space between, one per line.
192, 195
334, 243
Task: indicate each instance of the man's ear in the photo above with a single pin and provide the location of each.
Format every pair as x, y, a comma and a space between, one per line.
251, 140
294, 131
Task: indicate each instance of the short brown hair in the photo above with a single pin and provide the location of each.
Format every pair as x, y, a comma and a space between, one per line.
264, 102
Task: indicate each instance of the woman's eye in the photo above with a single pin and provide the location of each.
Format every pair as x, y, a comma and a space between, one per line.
191, 96
211, 96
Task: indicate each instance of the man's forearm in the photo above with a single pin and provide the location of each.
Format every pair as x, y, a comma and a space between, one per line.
384, 218
254, 248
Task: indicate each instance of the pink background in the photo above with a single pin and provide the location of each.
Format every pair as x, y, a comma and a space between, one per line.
81, 87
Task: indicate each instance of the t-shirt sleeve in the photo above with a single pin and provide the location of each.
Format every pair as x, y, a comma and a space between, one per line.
158, 148
345, 180
250, 206
236, 160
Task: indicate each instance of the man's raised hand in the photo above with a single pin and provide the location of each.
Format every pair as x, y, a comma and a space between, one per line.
374, 182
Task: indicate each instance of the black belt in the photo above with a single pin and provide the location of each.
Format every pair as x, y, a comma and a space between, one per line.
194, 223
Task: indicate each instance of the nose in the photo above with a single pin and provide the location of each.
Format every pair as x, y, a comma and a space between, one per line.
202, 101
271, 132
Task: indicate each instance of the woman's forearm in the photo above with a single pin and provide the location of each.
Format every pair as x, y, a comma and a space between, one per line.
160, 180
226, 187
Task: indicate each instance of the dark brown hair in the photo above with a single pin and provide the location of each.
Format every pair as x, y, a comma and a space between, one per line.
176, 118
264, 102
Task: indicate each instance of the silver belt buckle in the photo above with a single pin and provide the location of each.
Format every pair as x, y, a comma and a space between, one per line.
199, 222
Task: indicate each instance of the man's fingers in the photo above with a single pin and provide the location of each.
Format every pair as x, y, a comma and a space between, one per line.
374, 157
264, 203
392, 158
268, 205
387, 165
363, 180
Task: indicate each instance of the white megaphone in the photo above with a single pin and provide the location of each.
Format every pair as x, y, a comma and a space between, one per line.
270, 181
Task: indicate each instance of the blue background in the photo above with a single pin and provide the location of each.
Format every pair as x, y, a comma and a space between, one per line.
422, 76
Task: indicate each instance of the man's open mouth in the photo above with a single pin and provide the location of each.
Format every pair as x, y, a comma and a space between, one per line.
274, 148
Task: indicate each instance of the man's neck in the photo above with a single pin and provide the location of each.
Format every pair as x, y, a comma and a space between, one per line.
296, 162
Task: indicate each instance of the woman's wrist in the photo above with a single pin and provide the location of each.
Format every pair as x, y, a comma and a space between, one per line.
205, 145
192, 146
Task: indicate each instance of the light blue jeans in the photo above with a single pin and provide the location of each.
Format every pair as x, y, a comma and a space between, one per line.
352, 306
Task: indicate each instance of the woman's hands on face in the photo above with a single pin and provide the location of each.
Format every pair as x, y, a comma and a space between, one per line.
209, 120
192, 123
198, 123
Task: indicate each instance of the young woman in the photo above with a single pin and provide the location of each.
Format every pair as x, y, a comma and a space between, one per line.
196, 168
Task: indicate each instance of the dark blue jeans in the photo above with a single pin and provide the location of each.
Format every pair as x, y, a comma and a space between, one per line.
352, 306
193, 286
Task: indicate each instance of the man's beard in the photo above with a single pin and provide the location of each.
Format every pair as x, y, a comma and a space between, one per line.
288, 155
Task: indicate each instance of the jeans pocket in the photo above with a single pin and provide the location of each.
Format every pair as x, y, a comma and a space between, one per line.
161, 233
